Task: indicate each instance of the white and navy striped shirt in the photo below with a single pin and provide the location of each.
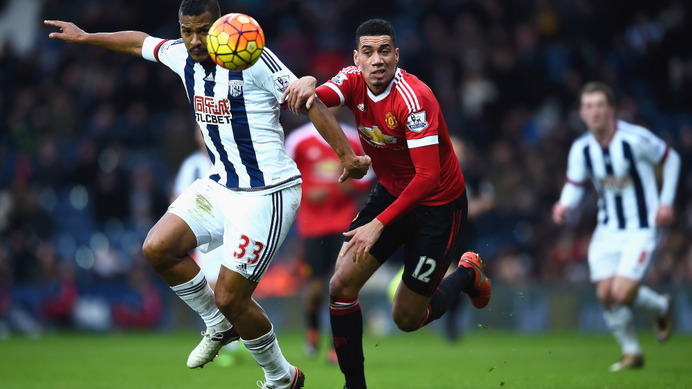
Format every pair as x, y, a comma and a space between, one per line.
623, 174
238, 112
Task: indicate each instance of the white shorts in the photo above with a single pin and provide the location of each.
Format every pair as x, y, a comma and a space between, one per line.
623, 253
250, 225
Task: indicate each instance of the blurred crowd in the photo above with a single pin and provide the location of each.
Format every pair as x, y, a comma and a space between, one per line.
90, 140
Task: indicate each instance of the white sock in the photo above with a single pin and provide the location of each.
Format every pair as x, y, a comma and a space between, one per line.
198, 295
267, 353
620, 321
651, 301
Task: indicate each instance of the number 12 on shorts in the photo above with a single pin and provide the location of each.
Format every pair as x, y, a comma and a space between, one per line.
425, 276
250, 248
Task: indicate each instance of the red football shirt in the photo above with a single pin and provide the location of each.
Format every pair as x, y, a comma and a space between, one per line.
333, 210
405, 135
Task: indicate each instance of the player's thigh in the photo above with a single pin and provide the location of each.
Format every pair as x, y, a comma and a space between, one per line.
604, 254
433, 244
255, 227
170, 236
198, 207
349, 277
408, 305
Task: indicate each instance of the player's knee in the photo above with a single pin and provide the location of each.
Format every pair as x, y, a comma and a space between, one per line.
624, 297
227, 301
405, 322
339, 287
156, 251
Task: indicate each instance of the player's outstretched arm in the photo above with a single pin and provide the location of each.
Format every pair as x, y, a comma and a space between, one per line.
355, 166
128, 42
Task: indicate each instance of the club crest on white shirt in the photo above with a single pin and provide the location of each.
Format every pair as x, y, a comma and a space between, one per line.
235, 88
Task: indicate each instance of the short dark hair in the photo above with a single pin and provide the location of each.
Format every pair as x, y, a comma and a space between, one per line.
375, 27
598, 86
198, 7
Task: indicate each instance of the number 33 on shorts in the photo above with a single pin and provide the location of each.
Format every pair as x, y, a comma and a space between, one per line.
249, 249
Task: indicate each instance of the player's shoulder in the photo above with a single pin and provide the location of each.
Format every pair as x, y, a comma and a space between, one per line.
412, 92
348, 73
583, 140
631, 129
174, 46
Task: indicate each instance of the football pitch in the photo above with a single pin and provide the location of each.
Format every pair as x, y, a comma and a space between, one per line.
480, 359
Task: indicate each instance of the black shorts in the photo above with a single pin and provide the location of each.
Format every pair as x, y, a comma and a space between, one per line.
320, 254
431, 236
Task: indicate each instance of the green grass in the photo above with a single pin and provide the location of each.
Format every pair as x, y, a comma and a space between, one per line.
482, 359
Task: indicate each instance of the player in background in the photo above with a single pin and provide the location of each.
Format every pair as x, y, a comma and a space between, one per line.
251, 195
194, 167
619, 158
326, 210
419, 201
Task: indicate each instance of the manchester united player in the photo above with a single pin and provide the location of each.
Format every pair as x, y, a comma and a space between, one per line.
419, 201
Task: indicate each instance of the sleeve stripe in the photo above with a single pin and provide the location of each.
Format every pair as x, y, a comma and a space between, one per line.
338, 92
665, 155
407, 94
427, 141
575, 183
268, 58
156, 50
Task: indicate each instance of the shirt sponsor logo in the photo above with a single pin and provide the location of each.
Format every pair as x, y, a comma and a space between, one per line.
417, 121
339, 79
391, 120
282, 83
616, 184
376, 138
211, 111
235, 88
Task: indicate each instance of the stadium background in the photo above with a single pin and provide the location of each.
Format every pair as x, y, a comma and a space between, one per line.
90, 142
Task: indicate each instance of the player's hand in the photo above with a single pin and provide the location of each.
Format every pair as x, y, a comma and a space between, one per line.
664, 215
69, 32
559, 213
300, 94
356, 168
362, 240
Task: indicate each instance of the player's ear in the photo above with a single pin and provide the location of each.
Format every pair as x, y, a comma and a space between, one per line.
355, 57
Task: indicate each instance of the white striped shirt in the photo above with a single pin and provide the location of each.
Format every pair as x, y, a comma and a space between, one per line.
623, 174
238, 113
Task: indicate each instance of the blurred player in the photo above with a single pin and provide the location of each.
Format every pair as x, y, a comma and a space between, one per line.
419, 201
326, 209
250, 197
619, 158
196, 166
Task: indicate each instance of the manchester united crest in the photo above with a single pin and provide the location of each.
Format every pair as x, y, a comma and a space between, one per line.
391, 120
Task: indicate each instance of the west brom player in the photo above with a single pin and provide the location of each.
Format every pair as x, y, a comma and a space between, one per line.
619, 158
251, 195
419, 201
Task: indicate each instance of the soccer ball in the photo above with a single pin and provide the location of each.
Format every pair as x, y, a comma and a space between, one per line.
235, 41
